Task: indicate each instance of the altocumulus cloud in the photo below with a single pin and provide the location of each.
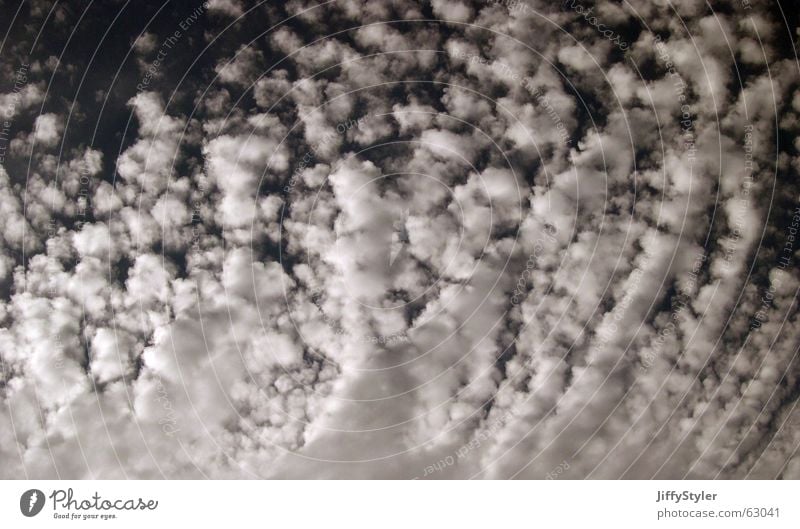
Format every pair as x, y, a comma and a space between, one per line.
374, 239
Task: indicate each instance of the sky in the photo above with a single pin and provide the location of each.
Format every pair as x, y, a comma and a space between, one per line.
396, 239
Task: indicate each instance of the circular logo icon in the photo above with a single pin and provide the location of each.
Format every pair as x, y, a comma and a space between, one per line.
31, 502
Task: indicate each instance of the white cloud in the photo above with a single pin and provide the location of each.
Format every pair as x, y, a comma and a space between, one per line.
49, 128
412, 253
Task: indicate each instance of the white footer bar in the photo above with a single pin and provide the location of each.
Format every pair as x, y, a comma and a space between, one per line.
400, 504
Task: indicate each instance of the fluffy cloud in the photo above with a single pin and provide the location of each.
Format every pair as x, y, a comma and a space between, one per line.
359, 246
